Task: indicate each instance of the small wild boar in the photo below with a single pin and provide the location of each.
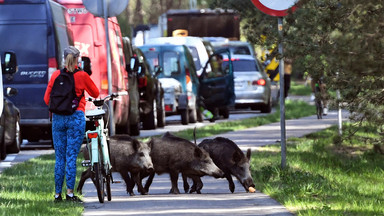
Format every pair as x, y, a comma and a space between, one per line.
230, 159
174, 155
127, 155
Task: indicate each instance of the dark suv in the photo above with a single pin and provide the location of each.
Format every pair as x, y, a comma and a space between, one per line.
152, 110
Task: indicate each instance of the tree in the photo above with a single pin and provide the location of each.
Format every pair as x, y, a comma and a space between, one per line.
341, 39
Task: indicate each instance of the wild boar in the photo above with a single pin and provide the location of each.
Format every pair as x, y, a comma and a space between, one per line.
174, 155
230, 159
127, 155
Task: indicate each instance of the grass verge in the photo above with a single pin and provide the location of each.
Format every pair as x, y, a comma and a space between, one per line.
322, 178
28, 188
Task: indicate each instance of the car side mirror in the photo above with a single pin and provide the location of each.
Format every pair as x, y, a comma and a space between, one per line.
134, 64
158, 70
86, 65
10, 63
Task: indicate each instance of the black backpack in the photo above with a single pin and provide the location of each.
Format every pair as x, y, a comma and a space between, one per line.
63, 99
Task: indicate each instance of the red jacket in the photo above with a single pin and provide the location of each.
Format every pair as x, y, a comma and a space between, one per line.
82, 82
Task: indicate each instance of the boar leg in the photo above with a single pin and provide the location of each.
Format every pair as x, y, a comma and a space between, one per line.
185, 183
230, 181
149, 182
197, 185
128, 182
174, 176
136, 177
84, 176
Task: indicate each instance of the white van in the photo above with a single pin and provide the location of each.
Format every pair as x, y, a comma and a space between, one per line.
196, 46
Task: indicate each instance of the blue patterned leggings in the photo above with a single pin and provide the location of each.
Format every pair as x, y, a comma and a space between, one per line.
67, 133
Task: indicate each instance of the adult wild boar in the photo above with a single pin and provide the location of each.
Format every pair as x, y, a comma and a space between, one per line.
230, 159
127, 155
174, 155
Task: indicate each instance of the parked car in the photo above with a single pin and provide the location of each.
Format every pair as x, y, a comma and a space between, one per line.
152, 107
37, 31
236, 47
133, 88
10, 132
184, 92
199, 49
252, 84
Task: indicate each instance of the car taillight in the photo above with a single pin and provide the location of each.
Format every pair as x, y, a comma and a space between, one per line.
104, 84
259, 82
52, 65
187, 75
143, 82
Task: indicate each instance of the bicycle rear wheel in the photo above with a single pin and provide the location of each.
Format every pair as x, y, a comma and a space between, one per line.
98, 168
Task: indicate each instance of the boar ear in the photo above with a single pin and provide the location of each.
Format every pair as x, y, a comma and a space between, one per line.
249, 154
135, 144
198, 152
236, 157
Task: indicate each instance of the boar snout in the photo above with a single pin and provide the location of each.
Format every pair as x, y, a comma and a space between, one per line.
150, 169
218, 174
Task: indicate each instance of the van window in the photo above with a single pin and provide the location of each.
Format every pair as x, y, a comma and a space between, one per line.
195, 56
171, 63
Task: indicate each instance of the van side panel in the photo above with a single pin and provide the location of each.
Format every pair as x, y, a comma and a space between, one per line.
90, 39
25, 30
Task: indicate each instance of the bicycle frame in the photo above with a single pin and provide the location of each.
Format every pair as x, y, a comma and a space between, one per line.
98, 137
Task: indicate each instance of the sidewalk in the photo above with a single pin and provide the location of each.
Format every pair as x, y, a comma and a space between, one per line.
216, 199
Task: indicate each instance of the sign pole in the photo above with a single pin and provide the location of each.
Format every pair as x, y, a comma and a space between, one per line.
282, 96
109, 68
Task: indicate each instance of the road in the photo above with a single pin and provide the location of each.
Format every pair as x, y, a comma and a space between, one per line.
173, 124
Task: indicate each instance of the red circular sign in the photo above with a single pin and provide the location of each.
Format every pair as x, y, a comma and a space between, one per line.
275, 7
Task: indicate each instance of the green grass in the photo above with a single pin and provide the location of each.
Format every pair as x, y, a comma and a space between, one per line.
322, 178
297, 88
28, 188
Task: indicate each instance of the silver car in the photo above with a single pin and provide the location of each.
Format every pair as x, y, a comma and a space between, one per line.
252, 84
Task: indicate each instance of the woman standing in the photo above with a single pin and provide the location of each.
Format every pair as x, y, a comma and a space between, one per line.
68, 130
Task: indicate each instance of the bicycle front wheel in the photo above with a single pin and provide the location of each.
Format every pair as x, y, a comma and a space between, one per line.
98, 168
108, 186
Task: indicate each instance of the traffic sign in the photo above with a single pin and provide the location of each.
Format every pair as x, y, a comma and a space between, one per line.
96, 7
275, 7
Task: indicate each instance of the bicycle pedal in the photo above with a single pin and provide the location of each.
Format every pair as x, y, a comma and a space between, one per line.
86, 163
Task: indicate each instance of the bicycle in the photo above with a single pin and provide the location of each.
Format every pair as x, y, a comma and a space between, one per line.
318, 101
97, 144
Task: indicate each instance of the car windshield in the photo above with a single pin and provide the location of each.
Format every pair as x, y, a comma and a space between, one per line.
243, 65
240, 50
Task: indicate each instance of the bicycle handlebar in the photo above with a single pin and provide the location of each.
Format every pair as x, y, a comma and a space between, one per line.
100, 101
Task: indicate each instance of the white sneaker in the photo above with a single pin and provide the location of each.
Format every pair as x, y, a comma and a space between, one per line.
325, 111
312, 97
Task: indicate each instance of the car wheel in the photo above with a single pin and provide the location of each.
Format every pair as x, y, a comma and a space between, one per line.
135, 129
200, 115
150, 119
16, 142
184, 116
267, 108
3, 149
161, 113
193, 116
224, 112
